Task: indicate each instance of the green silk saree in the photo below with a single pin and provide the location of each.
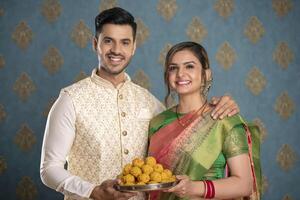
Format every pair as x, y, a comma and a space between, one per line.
200, 148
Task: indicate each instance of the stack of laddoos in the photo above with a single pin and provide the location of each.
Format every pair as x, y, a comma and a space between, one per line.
145, 171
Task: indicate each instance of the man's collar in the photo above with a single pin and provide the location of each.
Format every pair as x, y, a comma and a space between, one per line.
103, 82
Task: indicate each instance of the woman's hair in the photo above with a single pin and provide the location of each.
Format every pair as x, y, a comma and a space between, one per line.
194, 48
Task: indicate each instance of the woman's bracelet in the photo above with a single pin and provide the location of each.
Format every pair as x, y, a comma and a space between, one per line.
209, 189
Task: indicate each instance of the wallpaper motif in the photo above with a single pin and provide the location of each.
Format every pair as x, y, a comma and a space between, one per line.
53, 60
24, 86
48, 107
2, 113
2, 61
167, 8
142, 32
265, 184
81, 34
254, 30
224, 8
284, 106
141, 79
196, 31
282, 7
255, 81
163, 54
26, 189
1, 12
3, 165
106, 4
22, 35
51, 10
283, 55
262, 128
286, 157
287, 197
226, 55
25, 138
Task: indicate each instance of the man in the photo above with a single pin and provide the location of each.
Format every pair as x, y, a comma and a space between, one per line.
100, 123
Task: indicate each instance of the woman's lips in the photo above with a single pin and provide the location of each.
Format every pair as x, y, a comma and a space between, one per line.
182, 83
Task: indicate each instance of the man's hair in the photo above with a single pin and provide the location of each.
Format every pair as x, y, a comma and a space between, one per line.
114, 15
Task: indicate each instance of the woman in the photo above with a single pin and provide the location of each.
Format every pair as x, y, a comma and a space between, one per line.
188, 141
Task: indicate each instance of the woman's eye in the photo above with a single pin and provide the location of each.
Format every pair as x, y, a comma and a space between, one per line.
190, 66
171, 68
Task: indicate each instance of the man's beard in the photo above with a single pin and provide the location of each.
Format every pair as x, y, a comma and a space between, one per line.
107, 69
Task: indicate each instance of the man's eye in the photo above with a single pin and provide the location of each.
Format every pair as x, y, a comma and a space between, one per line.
126, 43
107, 41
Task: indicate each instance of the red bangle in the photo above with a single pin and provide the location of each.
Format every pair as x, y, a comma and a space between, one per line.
205, 189
213, 190
210, 189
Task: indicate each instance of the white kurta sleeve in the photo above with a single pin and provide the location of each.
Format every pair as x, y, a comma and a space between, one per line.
57, 142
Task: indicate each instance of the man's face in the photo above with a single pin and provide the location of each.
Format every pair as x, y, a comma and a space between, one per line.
115, 47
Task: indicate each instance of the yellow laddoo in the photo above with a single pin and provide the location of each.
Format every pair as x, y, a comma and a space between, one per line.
172, 178
123, 180
164, 177
165, 181
137, 162
168, 172
128, 179
155, 176
145, 178
127, 169
150, 160
147, 169
158, 168
135, 171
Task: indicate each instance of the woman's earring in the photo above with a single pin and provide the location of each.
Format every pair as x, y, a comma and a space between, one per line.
207, 87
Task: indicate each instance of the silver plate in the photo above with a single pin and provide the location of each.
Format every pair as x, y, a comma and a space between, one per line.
147, 187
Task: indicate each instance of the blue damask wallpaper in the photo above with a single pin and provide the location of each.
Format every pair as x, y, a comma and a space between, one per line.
253, 48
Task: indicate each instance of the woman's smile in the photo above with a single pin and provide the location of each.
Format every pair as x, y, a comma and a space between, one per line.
183, 82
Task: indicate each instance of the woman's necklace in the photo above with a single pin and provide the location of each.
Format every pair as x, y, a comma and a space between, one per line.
187, 122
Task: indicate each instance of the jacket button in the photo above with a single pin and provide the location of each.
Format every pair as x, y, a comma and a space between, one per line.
123, 114
126, 151
124, 133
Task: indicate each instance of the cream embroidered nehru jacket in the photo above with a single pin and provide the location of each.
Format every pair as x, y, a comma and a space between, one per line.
98, 128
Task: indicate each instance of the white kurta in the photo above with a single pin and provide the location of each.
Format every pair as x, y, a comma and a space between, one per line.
98, 128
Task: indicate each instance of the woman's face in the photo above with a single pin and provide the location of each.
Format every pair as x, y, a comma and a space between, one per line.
184, 73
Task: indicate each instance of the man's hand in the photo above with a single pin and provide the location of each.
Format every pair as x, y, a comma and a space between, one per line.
225, 106
106, 191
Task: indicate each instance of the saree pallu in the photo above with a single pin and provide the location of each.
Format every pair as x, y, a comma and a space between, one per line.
193, 149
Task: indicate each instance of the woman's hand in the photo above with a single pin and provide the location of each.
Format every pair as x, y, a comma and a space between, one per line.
225, 106
186, 187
